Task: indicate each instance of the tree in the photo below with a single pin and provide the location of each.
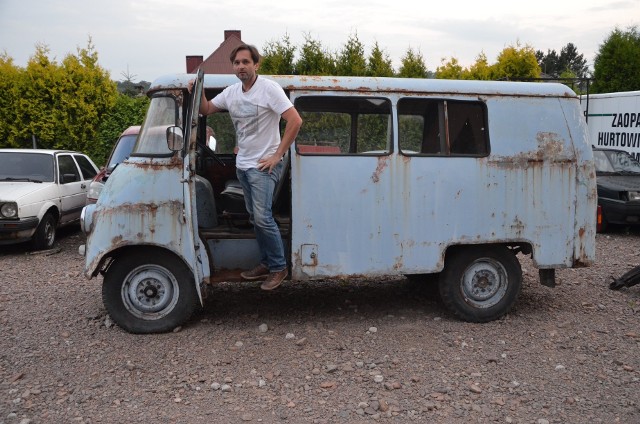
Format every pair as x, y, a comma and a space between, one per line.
125, 112
617, 62
450, 69
314, 59
568, 60
379, 64
351, 60
573, 62
87, 93
548, 62
60, 104
480, 70
412, 65
515, 62
277, 57
10, 87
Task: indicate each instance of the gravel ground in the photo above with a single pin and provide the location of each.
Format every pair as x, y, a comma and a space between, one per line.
323, 352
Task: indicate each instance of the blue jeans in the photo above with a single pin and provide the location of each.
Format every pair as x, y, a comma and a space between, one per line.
258, 187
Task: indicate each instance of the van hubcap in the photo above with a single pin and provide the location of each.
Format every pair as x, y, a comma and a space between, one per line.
150, 291
484, 283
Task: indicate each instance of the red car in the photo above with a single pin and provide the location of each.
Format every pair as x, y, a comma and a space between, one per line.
121, 151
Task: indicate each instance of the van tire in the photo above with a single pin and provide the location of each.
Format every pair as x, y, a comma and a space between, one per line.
45, 235
150, 291
480, 283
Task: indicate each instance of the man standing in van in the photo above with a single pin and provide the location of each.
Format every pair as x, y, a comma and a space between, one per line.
255, 106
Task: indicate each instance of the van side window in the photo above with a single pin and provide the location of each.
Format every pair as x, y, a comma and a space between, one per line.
442, 127
341, 125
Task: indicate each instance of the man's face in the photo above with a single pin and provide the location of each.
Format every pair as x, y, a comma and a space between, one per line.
244, 66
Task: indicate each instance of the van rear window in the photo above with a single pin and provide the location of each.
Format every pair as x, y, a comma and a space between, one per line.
442, 127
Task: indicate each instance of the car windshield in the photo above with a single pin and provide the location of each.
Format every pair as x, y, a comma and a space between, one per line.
165, 110
616, 162
35, 167
122, 151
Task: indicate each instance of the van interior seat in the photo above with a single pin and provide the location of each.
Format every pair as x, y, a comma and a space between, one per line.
205, 203
232, 197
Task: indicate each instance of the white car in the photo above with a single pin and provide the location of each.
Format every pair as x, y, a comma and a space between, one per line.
41, 190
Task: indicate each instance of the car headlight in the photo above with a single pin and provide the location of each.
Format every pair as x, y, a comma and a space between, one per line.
634, 195
9, 210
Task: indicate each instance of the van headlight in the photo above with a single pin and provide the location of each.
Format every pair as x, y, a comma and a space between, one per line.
9, 210
634, 195
86, 218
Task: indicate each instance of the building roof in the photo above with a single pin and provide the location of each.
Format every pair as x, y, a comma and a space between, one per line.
218, 62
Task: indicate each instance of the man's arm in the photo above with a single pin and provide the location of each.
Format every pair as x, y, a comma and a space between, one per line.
294, 122
207, 107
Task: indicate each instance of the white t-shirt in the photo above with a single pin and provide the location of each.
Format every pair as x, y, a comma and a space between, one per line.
256, 118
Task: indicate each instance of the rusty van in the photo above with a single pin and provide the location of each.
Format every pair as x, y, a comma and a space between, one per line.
387, 177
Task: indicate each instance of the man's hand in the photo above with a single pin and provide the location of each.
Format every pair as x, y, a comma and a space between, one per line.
269, 163
190, 85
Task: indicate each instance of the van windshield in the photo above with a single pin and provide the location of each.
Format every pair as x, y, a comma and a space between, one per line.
165, 110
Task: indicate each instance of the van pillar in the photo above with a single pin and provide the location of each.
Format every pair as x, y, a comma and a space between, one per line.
547, 277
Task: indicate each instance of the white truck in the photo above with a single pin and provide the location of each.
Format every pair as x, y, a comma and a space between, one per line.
613, 120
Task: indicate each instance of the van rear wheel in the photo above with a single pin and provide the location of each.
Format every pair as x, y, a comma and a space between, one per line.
480, 283
149, 292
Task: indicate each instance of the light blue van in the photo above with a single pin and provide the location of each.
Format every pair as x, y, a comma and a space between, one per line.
387, 177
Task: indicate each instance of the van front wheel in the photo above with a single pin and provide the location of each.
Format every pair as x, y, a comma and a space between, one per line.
480, 284
149, 292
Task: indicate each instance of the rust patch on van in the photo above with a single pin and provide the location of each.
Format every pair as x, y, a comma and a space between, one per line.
174, 162
549, 145
550, 149
383, 161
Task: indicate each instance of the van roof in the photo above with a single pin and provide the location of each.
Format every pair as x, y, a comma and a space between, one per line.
379, 84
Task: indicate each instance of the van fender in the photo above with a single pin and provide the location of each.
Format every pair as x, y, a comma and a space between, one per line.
101, 262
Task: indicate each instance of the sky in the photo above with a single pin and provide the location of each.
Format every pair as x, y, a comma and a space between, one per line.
145, 39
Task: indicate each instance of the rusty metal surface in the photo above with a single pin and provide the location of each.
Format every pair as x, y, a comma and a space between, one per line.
395, 215
302, 83
141, 204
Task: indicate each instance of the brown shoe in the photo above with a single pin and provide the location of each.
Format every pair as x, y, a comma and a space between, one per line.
257, 273
274, 280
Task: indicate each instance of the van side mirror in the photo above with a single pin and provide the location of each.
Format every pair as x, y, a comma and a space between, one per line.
175, 138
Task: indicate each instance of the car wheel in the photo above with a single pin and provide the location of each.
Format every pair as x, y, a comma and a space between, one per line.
149, 292
480, 284
45, 235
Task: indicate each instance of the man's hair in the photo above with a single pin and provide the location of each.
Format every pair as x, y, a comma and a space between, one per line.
255, 55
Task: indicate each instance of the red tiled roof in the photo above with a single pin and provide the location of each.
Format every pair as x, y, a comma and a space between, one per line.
218, 62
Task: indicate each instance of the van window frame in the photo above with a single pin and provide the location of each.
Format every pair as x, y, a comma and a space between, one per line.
179, 99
